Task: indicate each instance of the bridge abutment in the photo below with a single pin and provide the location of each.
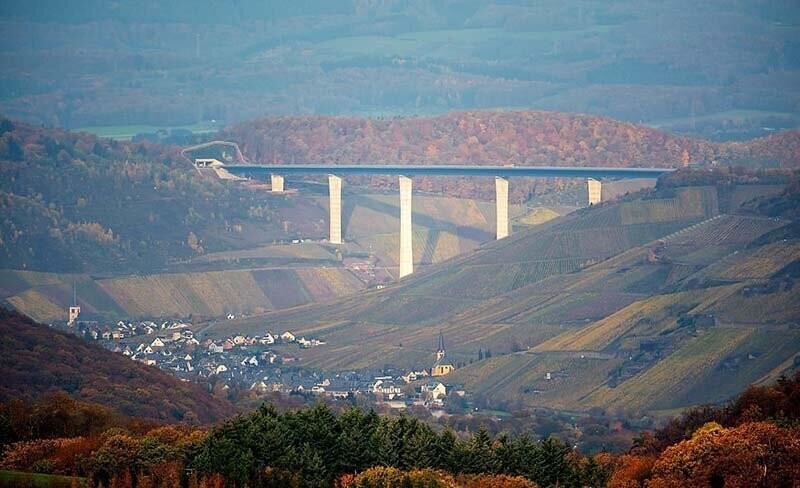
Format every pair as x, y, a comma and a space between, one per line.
335, 208
406, 251
501, 203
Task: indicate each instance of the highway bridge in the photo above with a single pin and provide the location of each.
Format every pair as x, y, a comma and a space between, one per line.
406, 170
413, 169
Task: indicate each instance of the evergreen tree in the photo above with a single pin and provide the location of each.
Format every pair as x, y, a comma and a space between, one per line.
481, 459
443, 452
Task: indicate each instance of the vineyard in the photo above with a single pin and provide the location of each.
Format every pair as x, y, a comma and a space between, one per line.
664, 383
688, 204
212, 293
762, 352
762, 262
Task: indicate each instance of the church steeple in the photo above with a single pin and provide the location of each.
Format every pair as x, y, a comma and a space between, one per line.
442, 366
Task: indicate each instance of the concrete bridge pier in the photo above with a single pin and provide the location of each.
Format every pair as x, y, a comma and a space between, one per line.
501, 198
595, 191
406, 252
277, 182
335, 208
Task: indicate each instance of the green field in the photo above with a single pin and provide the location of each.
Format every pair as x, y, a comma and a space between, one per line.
16, 479
126, 132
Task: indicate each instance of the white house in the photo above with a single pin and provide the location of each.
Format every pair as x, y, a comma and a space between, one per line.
287, 337
386, 387
157, 343
220, 369
267, 339
251, 361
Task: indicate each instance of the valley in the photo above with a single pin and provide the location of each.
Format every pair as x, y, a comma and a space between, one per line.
593, 309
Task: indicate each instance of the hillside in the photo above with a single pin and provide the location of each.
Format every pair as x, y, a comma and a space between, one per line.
647, 303
266, 276
35, 360
75, 202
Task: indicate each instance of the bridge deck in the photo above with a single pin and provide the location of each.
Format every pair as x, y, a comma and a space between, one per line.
447, 170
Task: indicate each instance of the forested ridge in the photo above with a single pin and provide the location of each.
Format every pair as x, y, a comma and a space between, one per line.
521, 137
76, 202
491, 137
35, 360
753, 441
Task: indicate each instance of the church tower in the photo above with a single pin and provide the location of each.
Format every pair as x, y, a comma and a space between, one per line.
74, 310
440, 351
442, 366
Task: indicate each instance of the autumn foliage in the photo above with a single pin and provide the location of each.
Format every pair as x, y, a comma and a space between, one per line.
388, 477
753, 441
36, 360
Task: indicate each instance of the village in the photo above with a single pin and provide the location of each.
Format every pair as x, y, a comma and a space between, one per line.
261, 364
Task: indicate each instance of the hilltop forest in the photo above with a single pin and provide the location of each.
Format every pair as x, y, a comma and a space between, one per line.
524, 138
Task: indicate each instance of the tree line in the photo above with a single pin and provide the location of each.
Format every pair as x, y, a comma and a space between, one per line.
753, 441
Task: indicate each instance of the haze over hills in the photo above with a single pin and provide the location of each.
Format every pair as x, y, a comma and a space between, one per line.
168, 254
662, 300
727, 70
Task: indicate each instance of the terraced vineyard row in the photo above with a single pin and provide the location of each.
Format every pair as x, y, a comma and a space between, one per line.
491, 280
724, 230
688, 204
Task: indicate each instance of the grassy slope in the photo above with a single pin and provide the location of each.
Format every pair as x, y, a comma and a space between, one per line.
36, 480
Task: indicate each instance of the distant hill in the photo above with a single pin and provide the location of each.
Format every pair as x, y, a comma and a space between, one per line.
519, 137
664, 299
35, 360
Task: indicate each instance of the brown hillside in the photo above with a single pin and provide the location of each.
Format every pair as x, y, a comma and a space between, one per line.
35, 360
